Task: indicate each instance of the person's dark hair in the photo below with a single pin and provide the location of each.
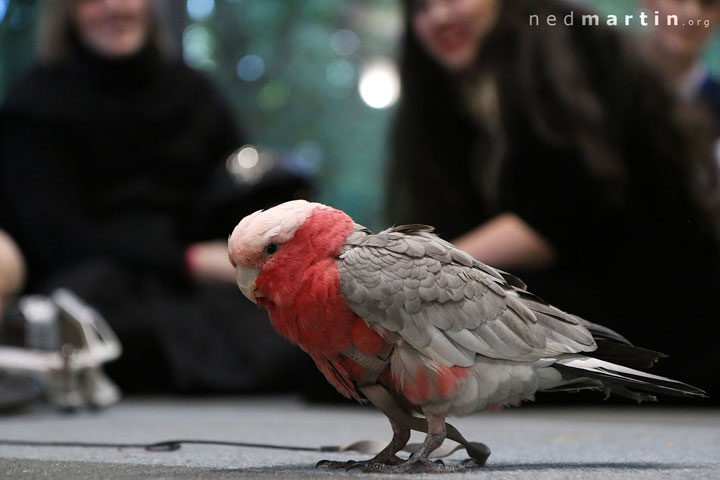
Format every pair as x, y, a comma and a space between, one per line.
581, 90
57, 38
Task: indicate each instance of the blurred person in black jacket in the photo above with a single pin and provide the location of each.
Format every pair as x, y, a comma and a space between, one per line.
555, 152
113, 166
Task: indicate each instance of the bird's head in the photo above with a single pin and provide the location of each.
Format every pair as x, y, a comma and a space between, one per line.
260, 236
266, 239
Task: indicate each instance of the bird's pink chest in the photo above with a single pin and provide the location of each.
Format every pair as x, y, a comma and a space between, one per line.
305, 303
304, 285
318, 318
320, 321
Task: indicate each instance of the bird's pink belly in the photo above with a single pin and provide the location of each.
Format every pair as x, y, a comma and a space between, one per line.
459, 390
429, 386
421, 381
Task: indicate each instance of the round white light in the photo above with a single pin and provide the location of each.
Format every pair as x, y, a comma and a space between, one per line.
379, 85
248, 157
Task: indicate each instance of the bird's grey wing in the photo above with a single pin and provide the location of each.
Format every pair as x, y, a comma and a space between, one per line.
415, 288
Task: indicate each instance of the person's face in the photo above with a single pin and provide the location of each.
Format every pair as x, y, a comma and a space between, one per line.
452, 30
697, 21
113, 28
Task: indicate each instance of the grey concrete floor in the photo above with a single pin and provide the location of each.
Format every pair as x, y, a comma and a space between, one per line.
604, 441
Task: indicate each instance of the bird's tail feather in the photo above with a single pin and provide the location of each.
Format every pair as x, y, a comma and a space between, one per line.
625, 354
620, 380
614, 348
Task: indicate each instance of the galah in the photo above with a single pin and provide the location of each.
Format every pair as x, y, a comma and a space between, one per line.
444, 333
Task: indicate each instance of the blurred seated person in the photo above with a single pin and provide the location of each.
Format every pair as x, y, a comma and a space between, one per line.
113, 157
678, 48
556, 153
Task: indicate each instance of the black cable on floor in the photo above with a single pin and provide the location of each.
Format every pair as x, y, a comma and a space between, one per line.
165, 446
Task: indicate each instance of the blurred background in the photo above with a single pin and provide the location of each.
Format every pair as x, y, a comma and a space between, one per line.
313, 80
612, 170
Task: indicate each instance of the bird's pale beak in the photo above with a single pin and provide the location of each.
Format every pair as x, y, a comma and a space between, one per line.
246, 281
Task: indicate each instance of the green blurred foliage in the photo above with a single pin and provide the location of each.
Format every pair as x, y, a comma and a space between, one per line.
305, 101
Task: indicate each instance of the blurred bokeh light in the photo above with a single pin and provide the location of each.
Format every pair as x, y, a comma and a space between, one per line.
200, 9
379, 83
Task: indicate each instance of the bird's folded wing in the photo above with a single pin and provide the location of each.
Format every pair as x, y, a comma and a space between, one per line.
415, 288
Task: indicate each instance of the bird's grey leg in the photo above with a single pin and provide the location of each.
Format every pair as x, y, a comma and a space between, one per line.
419, 459
387, 456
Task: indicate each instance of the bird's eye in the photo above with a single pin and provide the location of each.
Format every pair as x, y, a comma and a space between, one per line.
271, 248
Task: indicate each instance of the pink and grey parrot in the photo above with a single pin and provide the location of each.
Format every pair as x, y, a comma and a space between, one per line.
442, 332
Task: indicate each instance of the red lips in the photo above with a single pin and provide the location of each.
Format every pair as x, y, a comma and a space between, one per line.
451, 38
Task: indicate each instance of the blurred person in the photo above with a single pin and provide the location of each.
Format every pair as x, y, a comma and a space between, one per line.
678, 49
113, 169
556, 153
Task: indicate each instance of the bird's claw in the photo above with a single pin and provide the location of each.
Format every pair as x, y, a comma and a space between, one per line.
333, 465
414, 463
471, 463
363, 464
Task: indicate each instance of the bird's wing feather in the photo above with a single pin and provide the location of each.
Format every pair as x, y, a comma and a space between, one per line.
415, 288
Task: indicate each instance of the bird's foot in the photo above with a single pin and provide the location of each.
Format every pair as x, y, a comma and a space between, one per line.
362, 464
419, 463
470, 463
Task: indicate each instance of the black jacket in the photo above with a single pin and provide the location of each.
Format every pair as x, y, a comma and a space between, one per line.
117, 159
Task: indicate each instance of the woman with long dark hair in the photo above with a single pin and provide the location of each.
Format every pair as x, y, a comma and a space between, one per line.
555, 152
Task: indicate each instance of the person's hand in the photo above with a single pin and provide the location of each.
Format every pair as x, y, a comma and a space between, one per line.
209, 262
12, 267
